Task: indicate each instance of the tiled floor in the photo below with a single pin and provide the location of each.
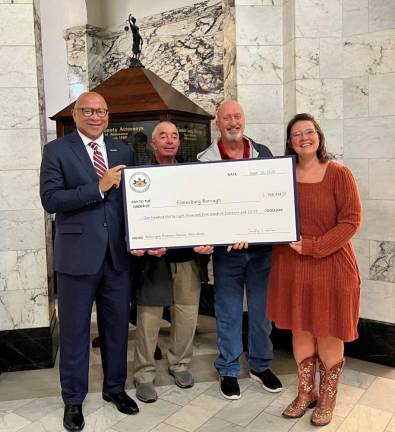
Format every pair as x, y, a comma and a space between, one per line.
30, 401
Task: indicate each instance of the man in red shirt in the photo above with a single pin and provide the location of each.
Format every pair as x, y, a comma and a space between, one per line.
237, 268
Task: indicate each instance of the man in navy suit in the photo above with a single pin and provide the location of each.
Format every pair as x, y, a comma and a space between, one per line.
79, 181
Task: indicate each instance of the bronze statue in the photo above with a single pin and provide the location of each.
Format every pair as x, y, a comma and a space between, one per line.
137, 42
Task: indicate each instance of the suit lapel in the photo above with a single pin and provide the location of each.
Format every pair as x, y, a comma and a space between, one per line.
78, 147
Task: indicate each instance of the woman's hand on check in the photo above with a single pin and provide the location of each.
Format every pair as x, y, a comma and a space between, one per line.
297, 246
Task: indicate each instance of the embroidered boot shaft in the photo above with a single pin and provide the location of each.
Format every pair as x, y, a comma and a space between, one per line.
307, 395
329, 381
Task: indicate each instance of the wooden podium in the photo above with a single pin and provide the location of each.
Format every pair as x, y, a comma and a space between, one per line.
137, 100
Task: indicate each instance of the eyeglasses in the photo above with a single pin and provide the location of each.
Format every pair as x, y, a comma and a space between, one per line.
88, 112
308, 132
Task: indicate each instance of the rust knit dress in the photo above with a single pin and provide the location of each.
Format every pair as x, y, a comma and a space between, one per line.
318, 291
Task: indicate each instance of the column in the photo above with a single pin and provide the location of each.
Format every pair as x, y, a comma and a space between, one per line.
27, 314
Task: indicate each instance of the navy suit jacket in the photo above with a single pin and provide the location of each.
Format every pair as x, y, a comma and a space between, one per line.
85, 222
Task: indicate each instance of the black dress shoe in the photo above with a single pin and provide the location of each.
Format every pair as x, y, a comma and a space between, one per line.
73, 420
122, 401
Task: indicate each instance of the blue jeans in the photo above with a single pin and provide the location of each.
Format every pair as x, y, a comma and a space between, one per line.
232, 272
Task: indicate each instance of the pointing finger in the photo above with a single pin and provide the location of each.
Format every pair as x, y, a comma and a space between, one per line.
117, 168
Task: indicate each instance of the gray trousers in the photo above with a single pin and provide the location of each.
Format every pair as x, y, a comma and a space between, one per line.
184, 313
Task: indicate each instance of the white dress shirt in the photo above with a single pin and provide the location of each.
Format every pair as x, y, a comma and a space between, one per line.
99, 141
102, 147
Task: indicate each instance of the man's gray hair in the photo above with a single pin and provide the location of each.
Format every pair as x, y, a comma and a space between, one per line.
155, 131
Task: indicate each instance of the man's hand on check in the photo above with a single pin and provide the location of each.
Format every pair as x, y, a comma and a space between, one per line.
153, 252
137, 252
205, 250
239, 245
157, 252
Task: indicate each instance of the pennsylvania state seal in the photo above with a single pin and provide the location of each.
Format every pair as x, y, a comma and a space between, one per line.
139, 182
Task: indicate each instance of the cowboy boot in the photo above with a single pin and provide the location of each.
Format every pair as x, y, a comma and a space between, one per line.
307, 396
329, 381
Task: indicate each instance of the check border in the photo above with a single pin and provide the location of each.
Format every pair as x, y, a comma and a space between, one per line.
159, 166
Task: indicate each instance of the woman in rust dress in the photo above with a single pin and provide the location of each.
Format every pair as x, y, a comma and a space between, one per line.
314, 284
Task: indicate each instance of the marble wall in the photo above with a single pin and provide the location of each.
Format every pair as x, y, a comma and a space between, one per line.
184, 46
339, 64
24, 297
259, 63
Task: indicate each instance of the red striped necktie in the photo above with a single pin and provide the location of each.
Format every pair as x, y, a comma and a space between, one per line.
98, 160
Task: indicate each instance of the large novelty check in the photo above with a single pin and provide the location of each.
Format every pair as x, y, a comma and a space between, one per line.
212, 203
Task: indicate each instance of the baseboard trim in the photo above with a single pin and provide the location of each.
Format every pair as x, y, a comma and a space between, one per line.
26, 349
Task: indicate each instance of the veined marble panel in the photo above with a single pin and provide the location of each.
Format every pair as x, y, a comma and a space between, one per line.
77, 60
19, 190
18, 66
259, 25
307, 58
382, 261
378, 301
258, 2
369, 138
361, 248
19, 108
381, 94
13, 18
24, 309
229, 61
22, 229
185, 47
289, 100
288, 20
378, 220
21, 270
20, 149
369, 54
259, 65
360, 170
107, 53
331, 58
272, 135
333, 130
355, 17
77, 50
381, 15
356, 97
40, 71
322, 98
193, 78
262, 103
289, 71
318, 18
382, 179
